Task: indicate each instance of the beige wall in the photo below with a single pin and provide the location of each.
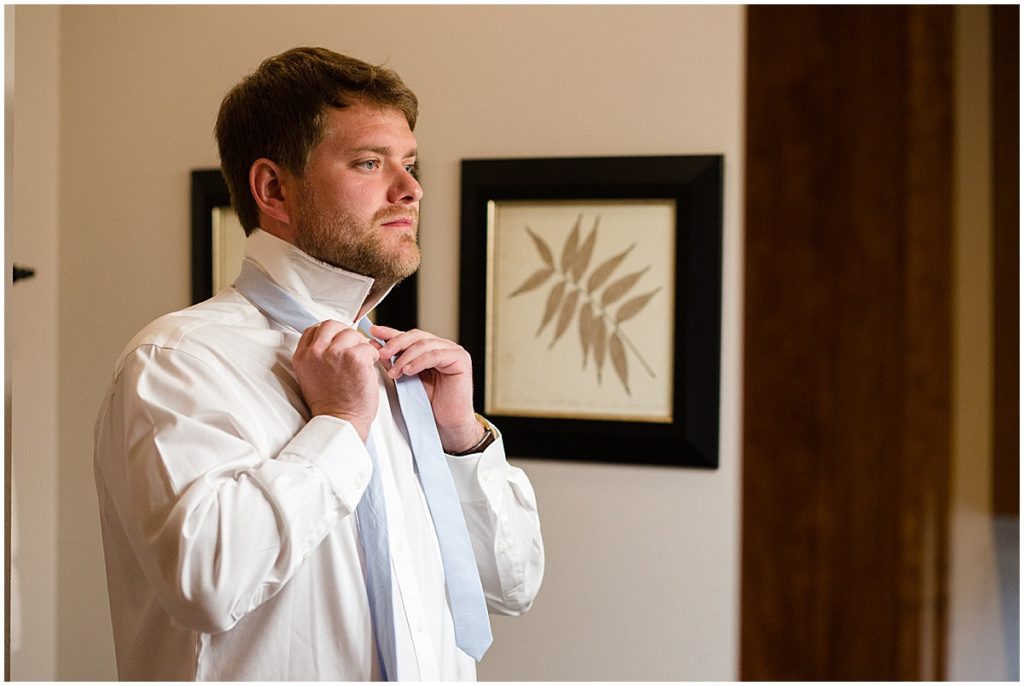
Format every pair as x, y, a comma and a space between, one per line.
32, 339
642, 561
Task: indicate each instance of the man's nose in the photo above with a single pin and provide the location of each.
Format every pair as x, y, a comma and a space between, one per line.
405, 188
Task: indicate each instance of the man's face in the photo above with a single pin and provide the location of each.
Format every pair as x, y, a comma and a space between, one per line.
357, 205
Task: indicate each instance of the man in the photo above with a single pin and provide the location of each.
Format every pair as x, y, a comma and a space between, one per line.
235, 451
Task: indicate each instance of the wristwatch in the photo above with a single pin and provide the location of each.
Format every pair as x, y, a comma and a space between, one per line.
483, 443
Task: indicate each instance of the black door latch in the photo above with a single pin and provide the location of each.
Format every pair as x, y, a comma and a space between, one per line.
23, 273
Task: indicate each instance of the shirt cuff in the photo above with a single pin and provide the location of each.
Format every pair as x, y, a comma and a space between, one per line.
332, 445
480, 476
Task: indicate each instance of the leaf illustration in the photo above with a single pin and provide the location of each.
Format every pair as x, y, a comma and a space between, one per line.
632, 307
598, 332
569, 249
586, 329
565, 316
618, 354
542, 248
599, 326
535, 280
583, 255
554, 299
605, 269
619, 288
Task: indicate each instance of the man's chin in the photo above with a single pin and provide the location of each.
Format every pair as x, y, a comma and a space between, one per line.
410, 269
411, 256
401, 268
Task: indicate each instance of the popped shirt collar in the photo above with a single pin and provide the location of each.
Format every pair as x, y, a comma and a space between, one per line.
328, 292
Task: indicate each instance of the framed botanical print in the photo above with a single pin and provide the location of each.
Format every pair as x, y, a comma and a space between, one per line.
591, 303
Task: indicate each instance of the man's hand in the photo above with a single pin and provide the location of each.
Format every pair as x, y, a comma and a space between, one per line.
337, 372
446, 370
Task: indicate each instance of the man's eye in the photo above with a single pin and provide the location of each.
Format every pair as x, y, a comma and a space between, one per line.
368, 164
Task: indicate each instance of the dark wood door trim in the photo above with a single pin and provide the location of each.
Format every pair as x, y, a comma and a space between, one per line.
847, 351
1005, 23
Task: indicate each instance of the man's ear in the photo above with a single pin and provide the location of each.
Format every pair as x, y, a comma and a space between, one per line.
269, 182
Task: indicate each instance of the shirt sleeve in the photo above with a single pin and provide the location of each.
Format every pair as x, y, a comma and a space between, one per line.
218, 519
504, 525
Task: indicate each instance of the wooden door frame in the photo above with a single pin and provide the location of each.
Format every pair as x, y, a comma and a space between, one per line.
847, 350
1005, 27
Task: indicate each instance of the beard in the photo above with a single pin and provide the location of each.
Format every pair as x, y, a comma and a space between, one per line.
358, 245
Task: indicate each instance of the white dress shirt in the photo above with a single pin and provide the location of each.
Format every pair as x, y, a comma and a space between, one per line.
228, 512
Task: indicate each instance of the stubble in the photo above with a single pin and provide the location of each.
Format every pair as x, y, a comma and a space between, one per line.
387, 255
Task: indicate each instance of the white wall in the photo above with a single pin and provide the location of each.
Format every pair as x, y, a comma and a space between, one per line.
643, 562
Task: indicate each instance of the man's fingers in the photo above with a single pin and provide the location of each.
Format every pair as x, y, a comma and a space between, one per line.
320, 331
327, 333
416, 351
396, 342
444, 356
391, 342
335, 367
308, 335
383, 332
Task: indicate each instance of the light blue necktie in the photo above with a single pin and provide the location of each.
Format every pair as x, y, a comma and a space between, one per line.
465, 592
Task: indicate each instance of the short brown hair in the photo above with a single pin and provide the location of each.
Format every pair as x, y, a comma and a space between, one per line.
280, 112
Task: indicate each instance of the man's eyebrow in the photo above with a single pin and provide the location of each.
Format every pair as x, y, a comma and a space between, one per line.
381, 150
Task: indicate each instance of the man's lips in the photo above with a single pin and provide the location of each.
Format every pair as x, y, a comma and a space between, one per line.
400, 222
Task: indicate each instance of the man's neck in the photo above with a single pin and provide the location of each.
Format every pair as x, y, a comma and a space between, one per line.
377, 292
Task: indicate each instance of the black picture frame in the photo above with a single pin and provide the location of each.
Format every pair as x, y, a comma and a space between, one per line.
695, 183
209, 192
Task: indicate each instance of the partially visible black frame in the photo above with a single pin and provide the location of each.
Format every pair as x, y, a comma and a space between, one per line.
695, 182
209, 191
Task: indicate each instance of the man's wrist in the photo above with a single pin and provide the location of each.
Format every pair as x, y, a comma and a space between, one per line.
486, 438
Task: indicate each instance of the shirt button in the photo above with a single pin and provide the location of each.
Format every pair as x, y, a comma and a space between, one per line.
486, 474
